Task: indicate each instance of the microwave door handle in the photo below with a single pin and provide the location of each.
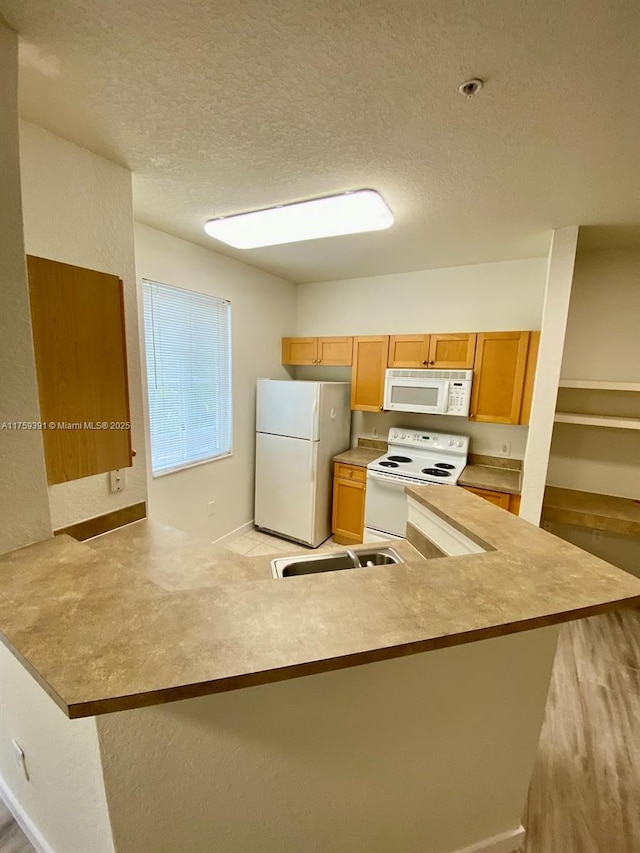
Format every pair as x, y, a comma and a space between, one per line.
444, 402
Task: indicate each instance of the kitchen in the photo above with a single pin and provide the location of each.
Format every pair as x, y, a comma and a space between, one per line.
78, 207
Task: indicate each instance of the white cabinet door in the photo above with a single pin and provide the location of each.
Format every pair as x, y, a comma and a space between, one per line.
285, 485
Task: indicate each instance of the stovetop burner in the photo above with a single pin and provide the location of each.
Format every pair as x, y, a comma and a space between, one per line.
445, 466
436, 472
387, 464
400, 459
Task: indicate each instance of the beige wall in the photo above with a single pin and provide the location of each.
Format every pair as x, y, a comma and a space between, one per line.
262, 311
63, 803
560, 264
24, 509
78, 209
431, 752
602, 343
482, 297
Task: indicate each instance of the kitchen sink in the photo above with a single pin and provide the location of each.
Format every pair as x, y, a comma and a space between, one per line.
288, 567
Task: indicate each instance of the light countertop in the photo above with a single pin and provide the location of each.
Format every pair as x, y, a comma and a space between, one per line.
488, 477
359, 456
144, 615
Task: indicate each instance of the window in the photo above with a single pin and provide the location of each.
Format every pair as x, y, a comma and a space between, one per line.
188, 347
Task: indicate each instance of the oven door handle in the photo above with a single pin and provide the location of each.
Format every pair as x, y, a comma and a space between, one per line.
381, 478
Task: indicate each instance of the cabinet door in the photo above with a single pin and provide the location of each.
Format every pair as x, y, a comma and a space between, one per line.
299, 350
336, 351
367, 376
408, 351
452, 352
500, 499
79, 343
498, 377
529, 377
514, 504
348, 511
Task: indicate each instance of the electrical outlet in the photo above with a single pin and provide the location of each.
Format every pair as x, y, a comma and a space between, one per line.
375, 432
21, 759
116, 480
505, 448
211, 508
596, 537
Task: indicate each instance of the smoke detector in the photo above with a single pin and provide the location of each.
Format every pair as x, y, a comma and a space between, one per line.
471, 87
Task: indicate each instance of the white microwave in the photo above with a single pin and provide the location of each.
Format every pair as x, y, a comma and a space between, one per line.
430, 392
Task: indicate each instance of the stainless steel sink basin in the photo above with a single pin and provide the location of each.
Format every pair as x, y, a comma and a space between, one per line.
288, 567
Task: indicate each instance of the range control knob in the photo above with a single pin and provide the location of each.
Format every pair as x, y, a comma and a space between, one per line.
404, 435
394, 434
459, 444
451, 442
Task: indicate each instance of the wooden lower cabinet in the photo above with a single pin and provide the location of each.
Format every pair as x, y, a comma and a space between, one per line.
349, 486
501, 499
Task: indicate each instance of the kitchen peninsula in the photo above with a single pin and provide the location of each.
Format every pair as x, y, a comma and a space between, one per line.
429, 746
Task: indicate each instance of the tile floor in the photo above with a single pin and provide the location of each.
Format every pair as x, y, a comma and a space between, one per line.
255, 543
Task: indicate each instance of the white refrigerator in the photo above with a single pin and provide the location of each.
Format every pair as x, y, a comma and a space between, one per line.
300, 427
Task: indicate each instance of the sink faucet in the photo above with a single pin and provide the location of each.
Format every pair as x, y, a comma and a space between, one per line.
354, 559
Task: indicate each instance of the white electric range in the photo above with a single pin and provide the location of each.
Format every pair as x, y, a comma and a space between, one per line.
414, 457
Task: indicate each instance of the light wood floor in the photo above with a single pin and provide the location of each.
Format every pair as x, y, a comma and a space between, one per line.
585, 789
12, 839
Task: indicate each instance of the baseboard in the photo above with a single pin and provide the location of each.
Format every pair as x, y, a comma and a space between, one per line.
244, 528
104, 523
23, 820
506, 842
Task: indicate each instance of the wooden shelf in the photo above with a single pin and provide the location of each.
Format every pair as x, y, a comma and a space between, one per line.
588, 509
597, 385
597, 420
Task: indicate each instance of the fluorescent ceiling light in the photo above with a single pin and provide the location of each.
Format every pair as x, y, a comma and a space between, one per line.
349, 213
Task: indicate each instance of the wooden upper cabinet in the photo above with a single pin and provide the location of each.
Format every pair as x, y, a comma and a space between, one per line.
498, 379
77, 317
529, 377
299, 350
408, 351
367, 375
452, 352
335, 351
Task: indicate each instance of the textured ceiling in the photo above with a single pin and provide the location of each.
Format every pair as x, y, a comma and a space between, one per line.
220, 107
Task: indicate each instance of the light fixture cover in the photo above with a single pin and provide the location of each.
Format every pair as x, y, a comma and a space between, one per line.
349, 213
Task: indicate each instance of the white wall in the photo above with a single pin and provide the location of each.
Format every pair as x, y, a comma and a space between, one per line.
262, 311
560, 265
482, 297
64, 801
431, 752
78, 210
24, 507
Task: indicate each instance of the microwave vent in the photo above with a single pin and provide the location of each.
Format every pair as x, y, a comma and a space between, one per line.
433, 374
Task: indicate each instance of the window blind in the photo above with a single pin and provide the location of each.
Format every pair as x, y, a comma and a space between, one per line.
188, 354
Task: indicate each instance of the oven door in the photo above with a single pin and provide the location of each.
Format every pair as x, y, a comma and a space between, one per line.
427, 396
385, 508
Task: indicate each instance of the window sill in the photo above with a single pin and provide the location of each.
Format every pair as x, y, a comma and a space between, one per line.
191, 465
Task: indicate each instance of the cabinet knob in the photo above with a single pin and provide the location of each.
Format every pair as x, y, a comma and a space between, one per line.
471, 415
381, 409
425, 362
432, 362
